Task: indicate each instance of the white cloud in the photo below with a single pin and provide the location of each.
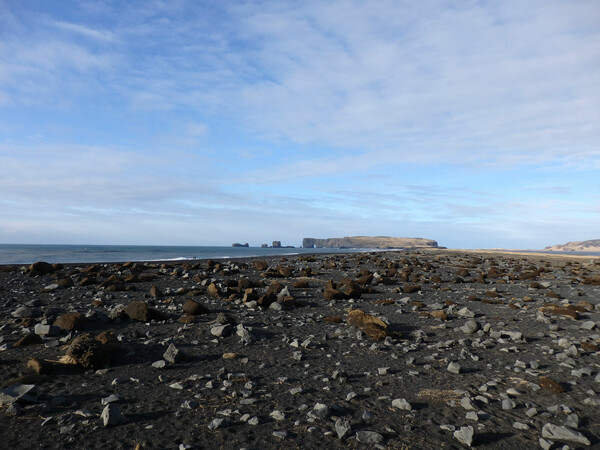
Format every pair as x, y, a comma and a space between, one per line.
101, 35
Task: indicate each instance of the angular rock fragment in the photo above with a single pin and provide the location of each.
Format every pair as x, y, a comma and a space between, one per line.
71, 321
550, 385
29, 339
17, 392
111, 415
564, 434
139, 310
369, 437
465, 435
172, 354
193, 308
372, 326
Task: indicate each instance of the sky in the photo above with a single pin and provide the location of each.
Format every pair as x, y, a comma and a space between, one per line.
181, 122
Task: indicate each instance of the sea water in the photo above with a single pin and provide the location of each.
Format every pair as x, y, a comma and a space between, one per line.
27, 254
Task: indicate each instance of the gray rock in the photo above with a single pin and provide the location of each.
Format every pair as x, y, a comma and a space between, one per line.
112, 398
160, 364
342, 427
558, 433
588, 325
189, 404
572, 421
46, 330
470, 327
277, 415
14, 410
472, 415
508, 403
368, 437
454, 367
281, 434
466, 403
245, 335
111, 415
216, 423
221, 330
18, 392
253, 421
24, 312
172, 355
401, 403
319, 412
465, 435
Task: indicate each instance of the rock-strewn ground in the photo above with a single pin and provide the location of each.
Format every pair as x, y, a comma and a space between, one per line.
404, 350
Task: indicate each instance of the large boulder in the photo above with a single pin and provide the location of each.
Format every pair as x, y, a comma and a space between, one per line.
71, 321
40, 268
88, 352
139, 310
372, 326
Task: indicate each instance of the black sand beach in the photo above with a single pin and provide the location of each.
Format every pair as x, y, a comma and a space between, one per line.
425, 349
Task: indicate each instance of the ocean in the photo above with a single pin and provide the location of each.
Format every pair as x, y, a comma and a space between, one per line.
27, 254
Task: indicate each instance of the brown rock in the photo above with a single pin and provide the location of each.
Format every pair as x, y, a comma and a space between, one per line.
40, 268
249, 295
40, 366
244, 283
301, 284
29, 339
65, 282
439, 314
87, 281
589, 346
71, 321
88, 352
275, 287
372, 326
332, 319
193, 308
155, 292
550, 385
187, 319
266, 300
213, 290
559, 310
139, 310
107, 337
384, 302
333, 294
285, 272
260, 265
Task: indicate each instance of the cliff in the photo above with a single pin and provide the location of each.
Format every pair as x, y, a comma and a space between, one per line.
368, 242
577, 246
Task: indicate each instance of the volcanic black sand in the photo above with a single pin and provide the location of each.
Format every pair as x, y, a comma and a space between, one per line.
406, 350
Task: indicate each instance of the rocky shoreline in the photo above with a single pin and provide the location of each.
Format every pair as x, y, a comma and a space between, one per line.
402, 350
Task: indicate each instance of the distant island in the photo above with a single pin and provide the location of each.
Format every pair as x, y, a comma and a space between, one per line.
592, 245
369, 242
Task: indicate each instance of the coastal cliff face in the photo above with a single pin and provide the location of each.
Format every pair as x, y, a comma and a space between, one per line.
577, 246
369, 242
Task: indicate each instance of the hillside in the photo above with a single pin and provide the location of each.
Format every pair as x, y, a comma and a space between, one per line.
576, 246
369, 242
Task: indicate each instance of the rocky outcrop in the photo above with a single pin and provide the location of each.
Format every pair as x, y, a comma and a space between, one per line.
576, 246
369, 242
237, 244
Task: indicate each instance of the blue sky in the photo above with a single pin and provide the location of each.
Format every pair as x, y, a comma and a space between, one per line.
475, 123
